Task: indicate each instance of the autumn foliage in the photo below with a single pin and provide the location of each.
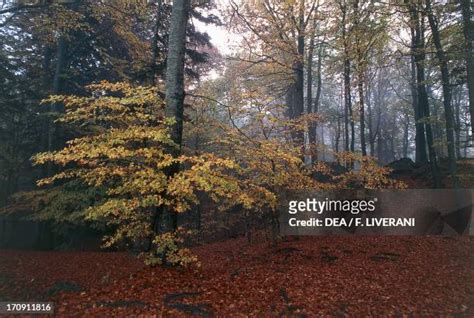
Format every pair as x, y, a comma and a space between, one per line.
123, 155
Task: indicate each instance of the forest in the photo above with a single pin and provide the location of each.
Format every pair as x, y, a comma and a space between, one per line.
148, 149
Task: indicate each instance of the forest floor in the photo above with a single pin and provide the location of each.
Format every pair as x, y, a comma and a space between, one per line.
340, 276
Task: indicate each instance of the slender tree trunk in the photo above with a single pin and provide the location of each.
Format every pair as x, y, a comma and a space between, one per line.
346, 110
457, 127
360, 85
348, 103
406, 135
315, 108
58, 81
309, 98
392, 141
360, 77
46, 122
323, 145
380, 121
424, 105
420, 141
468, 28
348, 120
174, 101
55, 134
422, 102
319, 79
338, 134
448, 110
309, 77
370, 123
174, 86
380, 149
298, 69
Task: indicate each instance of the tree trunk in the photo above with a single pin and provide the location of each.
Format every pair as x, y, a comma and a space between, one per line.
298, 70
420, 141
406, 135
422, 102
362, 113
370, 122
323, 145
380, 149
348, 118
313, 106
438, 133
46, 122
348, 104
347, 80
338, 134
425, 107
457, 127
468, 28
174, 100
58, 81
448, 110
309, 99
360, 78
55, 134
318, 81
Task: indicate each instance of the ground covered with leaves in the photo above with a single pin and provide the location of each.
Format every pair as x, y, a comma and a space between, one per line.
316, 276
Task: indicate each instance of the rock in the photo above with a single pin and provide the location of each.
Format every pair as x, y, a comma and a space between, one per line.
402, 166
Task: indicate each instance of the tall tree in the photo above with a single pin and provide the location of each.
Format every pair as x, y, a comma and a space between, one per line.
348, 115
297, 89
419, 55
447, 94
174, 100
312, 105
360, 68
420, 138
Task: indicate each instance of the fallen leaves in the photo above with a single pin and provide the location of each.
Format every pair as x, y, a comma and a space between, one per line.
316, 276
